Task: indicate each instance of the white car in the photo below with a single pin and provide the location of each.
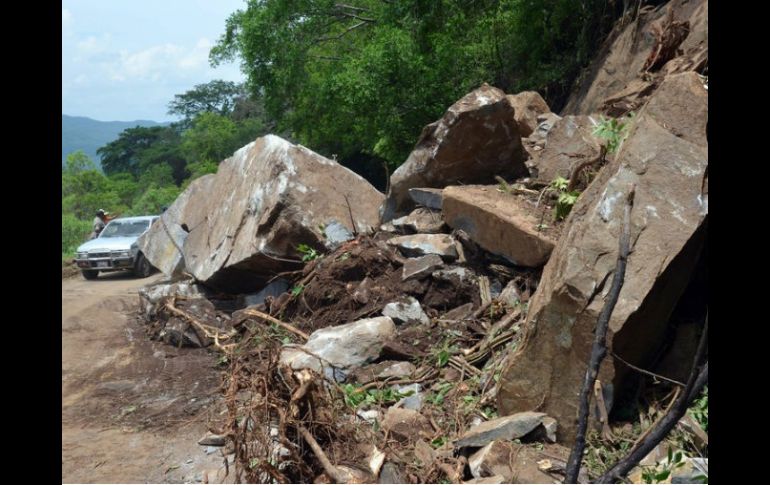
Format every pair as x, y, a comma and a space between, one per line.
116, 249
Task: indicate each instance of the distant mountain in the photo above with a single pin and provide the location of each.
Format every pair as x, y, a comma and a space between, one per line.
81, 133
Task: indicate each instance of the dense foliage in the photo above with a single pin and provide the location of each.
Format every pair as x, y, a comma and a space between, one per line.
364, 76
354, 80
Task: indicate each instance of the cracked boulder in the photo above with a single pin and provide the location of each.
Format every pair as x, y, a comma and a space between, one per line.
665, 158
263, 202
476, 139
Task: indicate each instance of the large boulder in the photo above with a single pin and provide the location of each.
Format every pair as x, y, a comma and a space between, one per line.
666, 158
264, 201
501, 223
476, 139
528, 105
163, 244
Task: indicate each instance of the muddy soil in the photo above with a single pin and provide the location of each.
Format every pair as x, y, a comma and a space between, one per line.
132, 410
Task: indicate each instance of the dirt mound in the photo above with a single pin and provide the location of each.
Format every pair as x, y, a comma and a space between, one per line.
357, 281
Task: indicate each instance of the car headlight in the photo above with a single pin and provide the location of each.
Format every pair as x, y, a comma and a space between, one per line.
82, 255
121, 254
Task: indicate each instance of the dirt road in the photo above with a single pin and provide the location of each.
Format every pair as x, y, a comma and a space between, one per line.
132, 410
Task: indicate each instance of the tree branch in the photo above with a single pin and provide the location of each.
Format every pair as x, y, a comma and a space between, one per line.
599, 349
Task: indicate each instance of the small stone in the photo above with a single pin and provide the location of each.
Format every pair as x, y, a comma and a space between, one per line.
427, 197
406, 424
424, 244
336, 234
413, 401
421, 267
405, 311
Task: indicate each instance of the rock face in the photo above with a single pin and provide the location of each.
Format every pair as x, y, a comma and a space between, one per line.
666, 157
476, 139
569, 143
162, 243
528, 105
264, 201
498, 222
344, 346
613, 81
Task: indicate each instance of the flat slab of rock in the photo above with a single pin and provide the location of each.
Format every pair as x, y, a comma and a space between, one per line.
421, 267
528, 105
500, 223
665, 158
420, 220
476, 139
505, 428
344, 346
263, 202
426, 197
423, 244
407, 310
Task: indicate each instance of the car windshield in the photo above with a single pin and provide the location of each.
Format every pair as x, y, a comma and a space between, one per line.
125, 228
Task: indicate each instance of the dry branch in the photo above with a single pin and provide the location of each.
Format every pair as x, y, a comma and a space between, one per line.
599, 349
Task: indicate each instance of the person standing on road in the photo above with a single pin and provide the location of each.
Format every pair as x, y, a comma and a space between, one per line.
101, 220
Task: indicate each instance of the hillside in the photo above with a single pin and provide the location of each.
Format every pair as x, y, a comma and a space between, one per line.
82, 133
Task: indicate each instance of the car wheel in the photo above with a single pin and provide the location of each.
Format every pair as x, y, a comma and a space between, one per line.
90, 274
142, 268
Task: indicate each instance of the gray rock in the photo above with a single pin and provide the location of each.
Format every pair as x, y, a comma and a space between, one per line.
162, 243
456, 274
274, 289
421, 267
150, 296
391, 474
420, 220
336, 234
342, 347
413, 401
370, 416
426, 197
399, 369
551, 427
266, 200
423, 244
505, 428
405, 311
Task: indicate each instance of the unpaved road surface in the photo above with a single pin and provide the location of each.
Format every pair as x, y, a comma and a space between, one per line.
132, 409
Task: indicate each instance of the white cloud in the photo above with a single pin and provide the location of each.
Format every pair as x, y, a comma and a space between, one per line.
66, 19
198, 56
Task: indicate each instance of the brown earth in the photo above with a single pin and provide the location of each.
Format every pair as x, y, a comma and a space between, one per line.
132, 409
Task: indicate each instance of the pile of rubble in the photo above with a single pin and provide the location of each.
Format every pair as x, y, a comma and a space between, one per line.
441, 330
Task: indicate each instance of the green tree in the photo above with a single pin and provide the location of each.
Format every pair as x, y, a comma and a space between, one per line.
364, 76
218, 97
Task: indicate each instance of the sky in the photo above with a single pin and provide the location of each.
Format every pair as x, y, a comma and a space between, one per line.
124, 60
